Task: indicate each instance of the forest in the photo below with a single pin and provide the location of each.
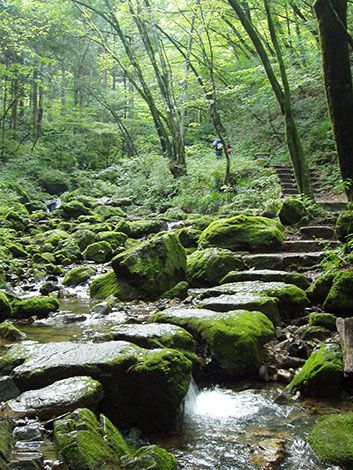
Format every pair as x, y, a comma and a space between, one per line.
176, 235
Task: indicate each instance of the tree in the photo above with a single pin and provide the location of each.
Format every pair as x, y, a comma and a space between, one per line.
332, 19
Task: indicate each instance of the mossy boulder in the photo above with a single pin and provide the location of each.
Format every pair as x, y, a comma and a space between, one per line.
189, 236
292, 211
77, 276
10, 332
267, 275
87, 443
20, 191
322, 373
115, 239
38, 306
179, 291
142, 228
109, 211
242, 233
68, 249
332, 439
153, 267
5, 307
124, 227
73, 209
318, 291
344, 225
84, 238
53, 237
207, 267
150, 457
143, 387
107, 285
99, 252
201, 223
17, 250
340, 299
16, 220
327, 320
6, 442
234, 339
53, 182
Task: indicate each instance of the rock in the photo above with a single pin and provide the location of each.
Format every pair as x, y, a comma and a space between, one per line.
188, 236
8, 389
327, 320
53, 182
179, 291
73, 209
109, 211
56, 399
332, 439
234, 339
86, 443
5, 307
99, 252
298, 349
267, 275
102, 308
77, 276
20, 191
207, 267
143, 388
115, 239
5, 443
9, 331
48, 287
17, 250
38, 306
344, 225
150, 457
84, 238
153, 267
271, 453
318, 291
322, 374
292, 211
339, 299
242, 233
68, 249
142, 228
52, 237
108, 285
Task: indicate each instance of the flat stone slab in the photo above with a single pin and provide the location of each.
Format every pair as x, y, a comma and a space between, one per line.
306, 246
325, 232
267, 275
58, 398
283, 261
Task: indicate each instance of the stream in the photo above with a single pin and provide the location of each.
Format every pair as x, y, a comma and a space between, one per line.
224, 427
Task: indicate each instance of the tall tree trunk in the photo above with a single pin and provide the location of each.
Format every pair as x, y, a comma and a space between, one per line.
35, 102
332, 18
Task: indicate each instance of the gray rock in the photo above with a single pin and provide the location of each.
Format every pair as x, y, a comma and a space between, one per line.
8, 389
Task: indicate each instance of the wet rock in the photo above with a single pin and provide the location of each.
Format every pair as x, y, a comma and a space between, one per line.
188, 236
10, 332
28, 432
207, 267
38, 306
327, 320
48, 287
143, 388
298, 349
270, 454
86, 443
153, 267
243, 233
234, 339
332, 439
102, 308
322, 374
150, 457
318, 291
267, 275
313, 333
142, 228
108, 285
179, 291
344, 225
115, 239
77, 276
293, 211
5, 443
84, 237
284, 376
8, 389
56, 399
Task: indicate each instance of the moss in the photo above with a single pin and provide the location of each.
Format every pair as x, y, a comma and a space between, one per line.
73, 209
10, 332
292, 211
22, 193
332, 439
327, 320
84, 238
322, 374
5, 443
318, 291
344, 225
42, 258
109, 211
339, 299
107, 285
5, 307
150, 457
188, 236
142, 228
124, 227
179, 291
17, 250
52, 236
77, 276
243, 233
39, 306
115, 239
207, 267
100, 252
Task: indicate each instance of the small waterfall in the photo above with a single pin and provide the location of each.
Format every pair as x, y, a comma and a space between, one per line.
191, 397
52, 204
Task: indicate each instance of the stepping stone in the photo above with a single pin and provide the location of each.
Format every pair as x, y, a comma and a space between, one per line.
267, 275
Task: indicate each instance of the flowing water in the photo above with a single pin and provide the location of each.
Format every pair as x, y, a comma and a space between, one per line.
226, 427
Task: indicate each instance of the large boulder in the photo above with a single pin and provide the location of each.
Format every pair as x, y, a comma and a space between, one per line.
292, 211
319, 289
78, 275
332, 439
99, 252
143, 388
107, 285
322, 374
234, 339
243, 233
38, 306
142, 228
207, 267
56, 399
344, 226
153, 267
340, 299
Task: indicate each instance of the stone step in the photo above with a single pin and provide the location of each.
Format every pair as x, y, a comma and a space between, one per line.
284, 261
290, 191
302, 246
324, 232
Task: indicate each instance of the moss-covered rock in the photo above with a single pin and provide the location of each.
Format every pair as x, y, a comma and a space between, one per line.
207, 267
99, 252
322, 374
20, 191
344, 225
292, 211
77, 276
124, 227
201, 223
53, 182
189, 236
88, 444
327, 320
10, 332
17, 250
38, 306
142, 228
332, 439
143, 387
234, 339
153, 267
43, 258
84, 238
340, 299
109, 211
150, 457
267, 275
6, 442
54, 237
73, 209
108, 285
179, 291
318, 291
5, 307
243, 233
16, 220
114, 238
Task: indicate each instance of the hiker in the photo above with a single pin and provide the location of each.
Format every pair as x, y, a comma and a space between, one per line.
218, 147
